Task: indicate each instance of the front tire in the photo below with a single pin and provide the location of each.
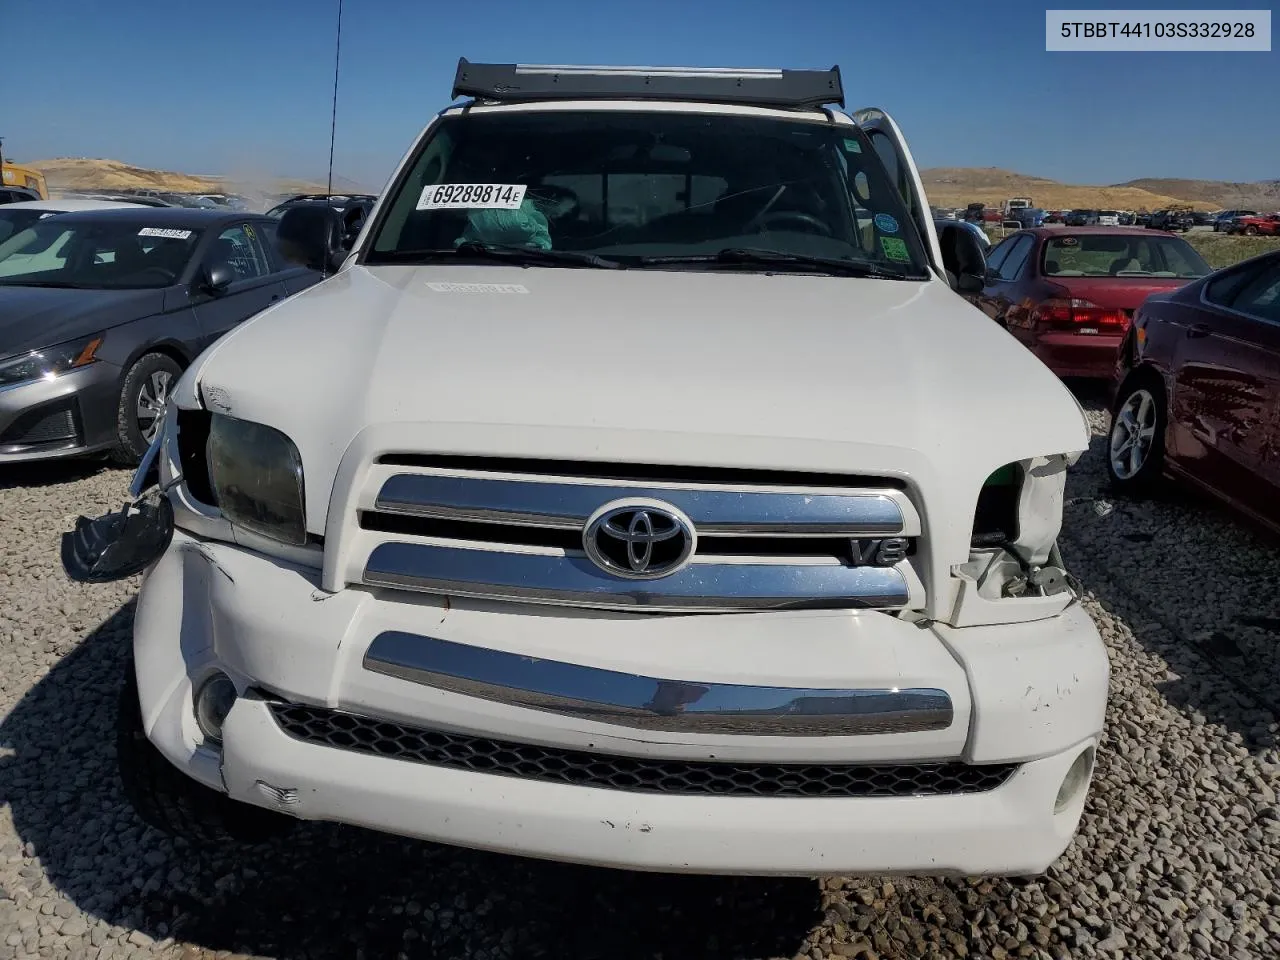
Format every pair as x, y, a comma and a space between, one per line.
142, 399
1135, 444
166, 798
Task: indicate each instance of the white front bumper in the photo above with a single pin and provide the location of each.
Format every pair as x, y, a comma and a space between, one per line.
1033, 693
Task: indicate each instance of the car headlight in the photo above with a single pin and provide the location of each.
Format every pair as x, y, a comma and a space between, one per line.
50, 362
257, 478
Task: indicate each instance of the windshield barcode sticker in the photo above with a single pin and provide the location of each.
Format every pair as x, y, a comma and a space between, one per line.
166, 232
472, 196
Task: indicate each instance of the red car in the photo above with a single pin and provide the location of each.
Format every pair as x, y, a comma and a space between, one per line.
1266, 225
1069, 293
1197, 391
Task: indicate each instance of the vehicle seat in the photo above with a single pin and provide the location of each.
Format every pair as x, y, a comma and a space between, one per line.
1124, 263
1052, 266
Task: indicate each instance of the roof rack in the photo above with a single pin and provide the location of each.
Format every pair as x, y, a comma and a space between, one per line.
511, 82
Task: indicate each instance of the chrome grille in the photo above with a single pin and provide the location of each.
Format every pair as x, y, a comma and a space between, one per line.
514, 533
346, 731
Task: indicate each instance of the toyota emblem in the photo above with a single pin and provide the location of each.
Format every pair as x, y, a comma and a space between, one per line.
639, 539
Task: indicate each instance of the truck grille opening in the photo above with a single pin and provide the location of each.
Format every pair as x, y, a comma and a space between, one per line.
360, 734
725, 540
518, 535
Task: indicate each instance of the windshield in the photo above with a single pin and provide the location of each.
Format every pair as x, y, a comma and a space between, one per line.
15, 221
635, 186
115, 255
1105, 255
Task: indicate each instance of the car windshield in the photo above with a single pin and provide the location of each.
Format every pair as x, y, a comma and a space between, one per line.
1110, 255
96, 254
15, 221
633, 187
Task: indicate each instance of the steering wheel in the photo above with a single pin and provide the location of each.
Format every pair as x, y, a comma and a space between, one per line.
805, 220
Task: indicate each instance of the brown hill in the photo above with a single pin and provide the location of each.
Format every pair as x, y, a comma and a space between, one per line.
957, 186
1261, 195
85, 173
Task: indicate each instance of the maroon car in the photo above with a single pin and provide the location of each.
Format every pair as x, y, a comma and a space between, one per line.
1198, 390
1068, 293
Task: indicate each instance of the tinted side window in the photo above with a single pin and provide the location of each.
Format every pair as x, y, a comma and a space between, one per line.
1222, 291
239, 246
266, 231
1013, 264
1260, 296
1001, 250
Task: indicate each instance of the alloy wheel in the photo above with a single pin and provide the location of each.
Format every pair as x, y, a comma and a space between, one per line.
152, 397
1133, 433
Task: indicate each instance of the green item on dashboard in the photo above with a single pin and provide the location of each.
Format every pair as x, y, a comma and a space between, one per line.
523, 227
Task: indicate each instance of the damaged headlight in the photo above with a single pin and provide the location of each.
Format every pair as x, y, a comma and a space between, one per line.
257, 478
1017, 520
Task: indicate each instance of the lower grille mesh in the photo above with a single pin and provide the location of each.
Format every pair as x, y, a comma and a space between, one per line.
347, 731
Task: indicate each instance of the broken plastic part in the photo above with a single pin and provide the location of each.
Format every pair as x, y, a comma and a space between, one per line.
118, 545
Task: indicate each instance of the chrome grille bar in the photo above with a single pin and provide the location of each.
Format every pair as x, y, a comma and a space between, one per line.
652, 703
707, 584
567, 505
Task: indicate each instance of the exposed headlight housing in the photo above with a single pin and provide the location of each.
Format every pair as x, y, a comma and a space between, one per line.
1013, 551
256, 473
50, 362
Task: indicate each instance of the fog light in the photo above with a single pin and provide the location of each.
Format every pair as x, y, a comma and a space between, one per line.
213, 703
1075, 780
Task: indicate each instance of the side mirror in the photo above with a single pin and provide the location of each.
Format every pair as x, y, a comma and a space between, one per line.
311, 236
963, 258
217, 276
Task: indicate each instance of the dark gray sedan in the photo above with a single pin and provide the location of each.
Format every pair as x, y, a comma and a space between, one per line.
101, 312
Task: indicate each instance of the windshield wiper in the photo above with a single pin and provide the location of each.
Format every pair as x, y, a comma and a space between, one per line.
507, 253
752, 256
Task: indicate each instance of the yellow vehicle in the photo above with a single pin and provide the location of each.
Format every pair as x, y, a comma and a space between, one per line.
13, 175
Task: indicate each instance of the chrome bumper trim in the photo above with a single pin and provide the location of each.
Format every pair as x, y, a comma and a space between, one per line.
568, 579
566, 505
650, 703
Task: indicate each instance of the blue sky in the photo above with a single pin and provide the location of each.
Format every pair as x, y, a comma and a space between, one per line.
243, 86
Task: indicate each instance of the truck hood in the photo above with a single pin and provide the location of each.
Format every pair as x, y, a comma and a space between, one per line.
701, 368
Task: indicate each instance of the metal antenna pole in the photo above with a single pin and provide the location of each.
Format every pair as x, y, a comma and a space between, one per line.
333, 120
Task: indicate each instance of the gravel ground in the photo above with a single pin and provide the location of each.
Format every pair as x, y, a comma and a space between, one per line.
1178, 855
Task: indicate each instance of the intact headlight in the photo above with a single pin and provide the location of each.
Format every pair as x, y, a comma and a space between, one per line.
49, 362
257, 478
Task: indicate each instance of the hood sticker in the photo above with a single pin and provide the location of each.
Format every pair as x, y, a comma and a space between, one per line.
894, 248
472, 196
440, 286
164, 232
886, 223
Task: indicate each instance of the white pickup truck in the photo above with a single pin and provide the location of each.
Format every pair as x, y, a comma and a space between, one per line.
637, 491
